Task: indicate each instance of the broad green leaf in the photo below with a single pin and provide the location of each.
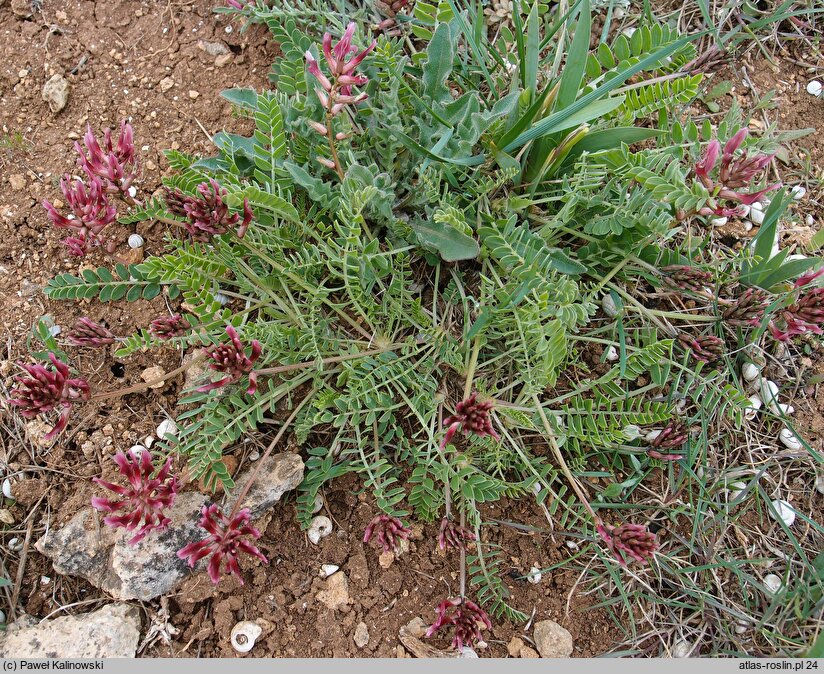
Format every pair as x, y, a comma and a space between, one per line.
243, 98
450, 243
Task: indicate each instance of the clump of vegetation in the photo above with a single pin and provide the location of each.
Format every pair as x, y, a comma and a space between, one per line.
409, 254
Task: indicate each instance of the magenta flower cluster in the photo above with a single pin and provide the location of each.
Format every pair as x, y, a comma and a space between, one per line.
472, 417
224, 544
465, 617
169, 327
140, 504
673, 436
85, 332
110, 168
805, 315
733, 174
208, 215
629, 542
231, 359
387, 530
453, 535
45, 390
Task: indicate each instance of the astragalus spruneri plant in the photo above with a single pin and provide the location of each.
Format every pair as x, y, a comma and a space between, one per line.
405, 255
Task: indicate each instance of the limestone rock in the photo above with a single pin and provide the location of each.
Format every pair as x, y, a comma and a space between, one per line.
56, 92
552, 640
111, 632
278, 474
361, 637
336, 592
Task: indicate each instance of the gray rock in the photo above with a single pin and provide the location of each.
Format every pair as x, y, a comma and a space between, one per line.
213, 48
278, 474
111, 632
361, 636
56, 93
87, 548
552, 640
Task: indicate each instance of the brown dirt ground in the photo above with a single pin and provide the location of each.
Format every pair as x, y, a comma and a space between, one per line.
114, 55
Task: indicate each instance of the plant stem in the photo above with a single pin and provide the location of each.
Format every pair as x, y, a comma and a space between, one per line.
138, 388
473, 363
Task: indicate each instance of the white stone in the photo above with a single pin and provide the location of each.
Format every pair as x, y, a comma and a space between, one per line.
7, 488
609, 306
221, 299
718, 222
166, 427
55, 330
772, 583
819, 484
534, 575
361, 636
789, 439
809, 220
15, 544
56, 92
756, 214
320, 527
327, 570
135, 241
628, 32
467, 652
783, 511
814, 88
750, 371
552, 640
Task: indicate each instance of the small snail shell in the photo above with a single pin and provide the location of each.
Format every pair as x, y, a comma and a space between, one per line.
609, 306
320, 527
772, 583
7, 488
534, 576
681, 649
318, 506
612, 354
752, 409
783, 511
135, 241
789, 439
750, 371
769, 394
244, 635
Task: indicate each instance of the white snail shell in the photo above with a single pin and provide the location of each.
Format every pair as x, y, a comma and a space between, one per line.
632, 432
327, 570
316, 508
783, 511
612, 354
769, 394
321, 527
752, 409
750, 371
7, 488
789, 439
772, 583
135, 241
609, 306
244, 635
166, 427
681, 649
534, 575
798, 192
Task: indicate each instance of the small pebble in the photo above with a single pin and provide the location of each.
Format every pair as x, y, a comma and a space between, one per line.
166, 427
756, 215
55, 330
327, 570
718, 222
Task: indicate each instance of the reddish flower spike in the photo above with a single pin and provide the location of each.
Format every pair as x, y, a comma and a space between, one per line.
387, 530
224, 543
208, 215
141, 503
116, 164
673, 436
45, 390
471, 416
467, 619
85, 332
168, 327
629, 542
453, 535
231, 359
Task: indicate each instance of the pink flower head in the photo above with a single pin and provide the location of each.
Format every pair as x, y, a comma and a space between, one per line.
467, 619
704, 348
231, 359
336, 92
804, 316
629, 542
115, 164
141, 503
673, 436
748, 310
85, 332
453, 535
809, 277
208, 215
471, 416
388, 530
45, 390
224, 542
167, 327
91, 212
